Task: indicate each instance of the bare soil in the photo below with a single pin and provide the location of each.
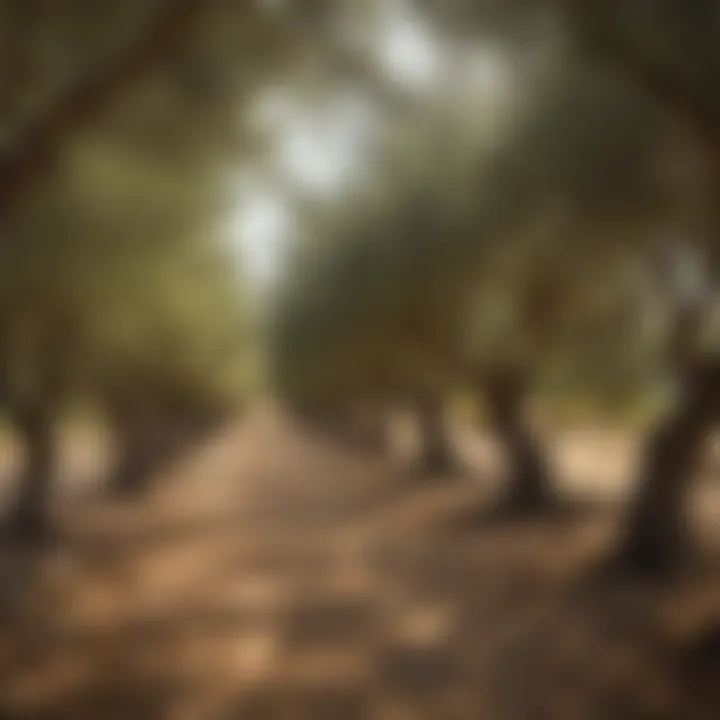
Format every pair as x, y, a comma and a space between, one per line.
273, 576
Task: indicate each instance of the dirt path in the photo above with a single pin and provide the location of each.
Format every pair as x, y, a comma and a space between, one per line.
273, 577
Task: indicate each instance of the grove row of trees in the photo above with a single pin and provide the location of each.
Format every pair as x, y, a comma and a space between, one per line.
500, 244
577, 248
121, 125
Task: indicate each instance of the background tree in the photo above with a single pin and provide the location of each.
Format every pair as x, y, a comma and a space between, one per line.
119, 128
538, 220
668, 52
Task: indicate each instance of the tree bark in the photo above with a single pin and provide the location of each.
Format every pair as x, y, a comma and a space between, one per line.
336, 424
135, 463
529, 487
367, 431
374, 437
29, 517
141, 432
149, 445
147, 448
340, 423
657, 531
437, 456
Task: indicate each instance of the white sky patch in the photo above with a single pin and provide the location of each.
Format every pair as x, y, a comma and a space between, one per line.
322, 148
260, 228
316, 148
407, 51
319, 162
321, 144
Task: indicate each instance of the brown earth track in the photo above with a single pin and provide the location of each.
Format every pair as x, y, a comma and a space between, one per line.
272, 576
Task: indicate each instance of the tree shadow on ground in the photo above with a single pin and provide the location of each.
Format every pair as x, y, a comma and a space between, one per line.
447, 625
256, 607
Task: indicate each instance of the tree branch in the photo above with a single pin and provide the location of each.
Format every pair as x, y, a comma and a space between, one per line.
37, 151
689, 109
700, 119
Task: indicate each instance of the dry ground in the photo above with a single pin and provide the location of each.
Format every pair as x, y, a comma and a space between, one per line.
271, 576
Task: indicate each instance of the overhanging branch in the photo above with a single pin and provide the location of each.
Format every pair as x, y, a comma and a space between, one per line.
689, 109
40, 145
657, 82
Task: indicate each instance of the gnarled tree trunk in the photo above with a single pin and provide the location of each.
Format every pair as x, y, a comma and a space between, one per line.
29, 518
136, 461
657, 526
529, 486
335, 423
140, 431
149, 431
351, 426
369, 433
657, 531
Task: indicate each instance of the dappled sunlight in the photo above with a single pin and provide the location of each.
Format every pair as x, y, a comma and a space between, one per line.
394, 607
359, 360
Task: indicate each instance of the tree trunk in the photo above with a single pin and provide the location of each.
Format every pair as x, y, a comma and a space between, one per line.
334, 423
350, 427
30, 516
140, 453
657, 527
374, 437
367, 430
437, 456
148, 446
529, 488
130, 476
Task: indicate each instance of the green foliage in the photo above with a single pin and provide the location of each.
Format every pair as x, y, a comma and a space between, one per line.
425, 288
112, 272
114, 276
125, 253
